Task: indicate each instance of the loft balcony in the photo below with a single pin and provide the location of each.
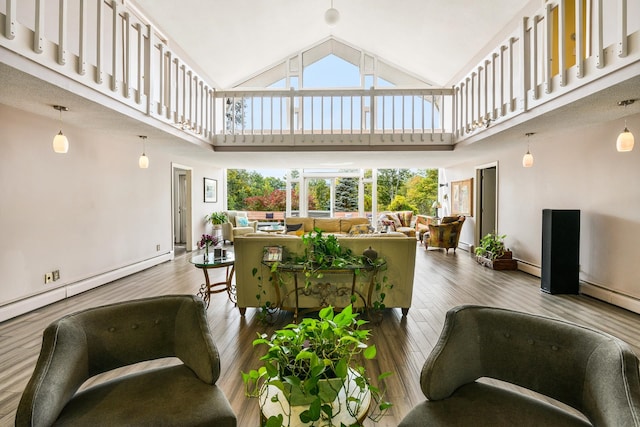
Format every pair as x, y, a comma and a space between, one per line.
566, 51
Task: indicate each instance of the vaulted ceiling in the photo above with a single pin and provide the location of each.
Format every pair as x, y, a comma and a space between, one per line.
433, 39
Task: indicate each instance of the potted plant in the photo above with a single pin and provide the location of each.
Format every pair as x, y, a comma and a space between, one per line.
312, 372
216, 218
493, 253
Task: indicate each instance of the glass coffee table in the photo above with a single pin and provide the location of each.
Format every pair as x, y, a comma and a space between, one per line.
205, 263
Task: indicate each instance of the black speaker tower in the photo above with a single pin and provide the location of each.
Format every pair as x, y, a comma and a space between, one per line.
560, 251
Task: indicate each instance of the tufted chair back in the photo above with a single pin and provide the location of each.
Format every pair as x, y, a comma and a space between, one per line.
84, 344
593, 372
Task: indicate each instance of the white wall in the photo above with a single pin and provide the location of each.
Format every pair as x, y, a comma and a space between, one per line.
85, 213
573, 169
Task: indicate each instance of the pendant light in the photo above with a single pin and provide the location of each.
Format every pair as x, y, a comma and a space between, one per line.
527, 159
60, 142
625, 140
331, 16
143, 161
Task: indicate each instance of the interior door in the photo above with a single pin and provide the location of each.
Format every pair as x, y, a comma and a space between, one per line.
182, 209
488, 199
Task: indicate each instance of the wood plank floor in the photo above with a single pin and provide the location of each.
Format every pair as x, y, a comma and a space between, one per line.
442, 281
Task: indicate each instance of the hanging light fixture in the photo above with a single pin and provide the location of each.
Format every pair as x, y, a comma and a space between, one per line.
143, 161
527, 159
332, 16
625, 140
60, 142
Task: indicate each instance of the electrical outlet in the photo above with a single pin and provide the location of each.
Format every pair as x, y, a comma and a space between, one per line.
48, 278
56, 275
157, 247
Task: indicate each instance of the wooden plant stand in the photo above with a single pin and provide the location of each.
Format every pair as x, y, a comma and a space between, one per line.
505, 262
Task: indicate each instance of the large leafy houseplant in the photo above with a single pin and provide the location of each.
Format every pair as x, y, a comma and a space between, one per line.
307, 364
491, 246
321, 253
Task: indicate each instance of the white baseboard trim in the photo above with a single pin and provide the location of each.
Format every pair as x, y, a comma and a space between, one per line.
31, 303
612, 297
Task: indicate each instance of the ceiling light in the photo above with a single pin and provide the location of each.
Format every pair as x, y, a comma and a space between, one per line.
332, 16
625, 140
143, 161
60, 142
527, 159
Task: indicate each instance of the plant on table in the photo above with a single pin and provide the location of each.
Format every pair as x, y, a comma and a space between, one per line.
323, 252
216, 218
309, 363
491, 246
208, 240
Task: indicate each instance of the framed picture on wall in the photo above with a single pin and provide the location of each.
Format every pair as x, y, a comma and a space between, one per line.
210, 190
462, 197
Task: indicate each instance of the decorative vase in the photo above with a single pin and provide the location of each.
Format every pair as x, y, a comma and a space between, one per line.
206, 252
370, 253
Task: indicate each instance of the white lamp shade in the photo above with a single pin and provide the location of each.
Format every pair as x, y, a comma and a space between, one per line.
527, 160
625, 141
143, 162
60, 143
331, 17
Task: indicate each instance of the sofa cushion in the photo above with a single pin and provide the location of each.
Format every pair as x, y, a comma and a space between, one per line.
347, 223
329, 225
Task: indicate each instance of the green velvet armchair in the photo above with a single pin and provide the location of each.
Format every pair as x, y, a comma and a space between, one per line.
82, 345
592, 372
445, 235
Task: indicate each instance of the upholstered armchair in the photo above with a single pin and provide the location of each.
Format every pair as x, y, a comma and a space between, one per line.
588, 370
422, 226
445, 235
82, 345
237, 224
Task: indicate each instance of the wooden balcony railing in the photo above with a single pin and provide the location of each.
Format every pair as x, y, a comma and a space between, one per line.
109, 46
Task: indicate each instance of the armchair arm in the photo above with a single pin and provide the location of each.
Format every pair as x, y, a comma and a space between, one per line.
227, 231
254, 224
454, 361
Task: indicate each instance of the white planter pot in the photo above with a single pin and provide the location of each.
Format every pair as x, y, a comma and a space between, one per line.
342, 413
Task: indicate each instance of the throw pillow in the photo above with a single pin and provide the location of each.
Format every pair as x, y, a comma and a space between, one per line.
293, 227
360, 229
242, 221
405, 218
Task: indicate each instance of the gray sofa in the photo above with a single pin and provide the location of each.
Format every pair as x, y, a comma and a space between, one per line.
592, 372
82, 345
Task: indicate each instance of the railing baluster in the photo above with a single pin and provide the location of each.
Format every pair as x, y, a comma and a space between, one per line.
114, 46
126, 61
580, 34
562, 48
99, 42
62, 33
38, 38
600, 60
82, 38
622, 19
10, 20
143, 59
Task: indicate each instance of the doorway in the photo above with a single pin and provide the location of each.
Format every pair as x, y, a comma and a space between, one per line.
487, 206
181, 208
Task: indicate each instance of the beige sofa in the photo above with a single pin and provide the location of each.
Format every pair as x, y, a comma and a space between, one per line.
326, 225
398, 250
